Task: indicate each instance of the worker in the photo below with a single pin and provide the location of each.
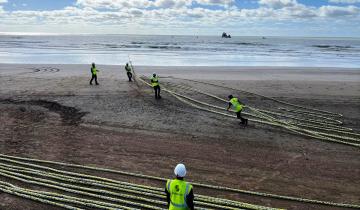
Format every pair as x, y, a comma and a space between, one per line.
128, 71
93, 71
179, 193
155, 84
238, 107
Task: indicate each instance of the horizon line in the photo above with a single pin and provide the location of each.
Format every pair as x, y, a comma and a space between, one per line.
106, 34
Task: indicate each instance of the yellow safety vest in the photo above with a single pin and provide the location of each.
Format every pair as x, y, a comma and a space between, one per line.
236, 104
154, 81
128, 68
93, 70
178, 190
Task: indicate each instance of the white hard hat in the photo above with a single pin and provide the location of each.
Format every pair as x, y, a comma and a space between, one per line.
180, 170
154, 73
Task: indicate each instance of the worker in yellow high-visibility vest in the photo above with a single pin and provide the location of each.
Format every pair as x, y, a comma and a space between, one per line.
238, 107
179, 193
155, 84
128, 71
93, 71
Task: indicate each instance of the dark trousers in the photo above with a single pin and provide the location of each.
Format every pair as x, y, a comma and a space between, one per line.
243, 120
129, 74
157, 91
92, 78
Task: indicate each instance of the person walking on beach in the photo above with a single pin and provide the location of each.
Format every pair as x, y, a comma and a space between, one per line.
238, 107
93, 71
179, 193
155, 84
128, 71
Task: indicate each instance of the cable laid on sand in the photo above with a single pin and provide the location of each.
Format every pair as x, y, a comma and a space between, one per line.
60, 198
326, 122
261, 114
19, 169
97, 181
24, 161
80, 181
270, 121
73, 183
4, 187
267, 119
269, 98
337, 135
327, 119
322, 125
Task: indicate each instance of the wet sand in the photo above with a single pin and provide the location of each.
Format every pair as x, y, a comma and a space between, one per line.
51, 112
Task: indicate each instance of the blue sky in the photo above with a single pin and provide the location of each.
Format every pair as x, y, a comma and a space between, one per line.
203, 17
12, 5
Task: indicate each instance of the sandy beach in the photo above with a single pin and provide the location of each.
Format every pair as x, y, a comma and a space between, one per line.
51, 112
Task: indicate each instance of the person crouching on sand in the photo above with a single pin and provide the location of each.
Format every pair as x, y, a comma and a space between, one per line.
238, 107
93, 71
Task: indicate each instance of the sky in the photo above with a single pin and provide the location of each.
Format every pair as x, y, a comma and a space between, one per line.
316, 18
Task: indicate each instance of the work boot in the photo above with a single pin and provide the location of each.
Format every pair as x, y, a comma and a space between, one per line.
242, 125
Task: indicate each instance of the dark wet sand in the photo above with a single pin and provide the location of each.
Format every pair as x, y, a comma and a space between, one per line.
51, 112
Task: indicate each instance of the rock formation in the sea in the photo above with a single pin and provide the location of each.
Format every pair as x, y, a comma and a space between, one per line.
224, 35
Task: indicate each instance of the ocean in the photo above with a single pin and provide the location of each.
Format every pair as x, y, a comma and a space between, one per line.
180, 50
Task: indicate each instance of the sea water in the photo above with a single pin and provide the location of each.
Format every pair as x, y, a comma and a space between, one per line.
180, 50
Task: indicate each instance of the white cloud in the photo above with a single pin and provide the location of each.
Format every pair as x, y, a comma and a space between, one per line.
118, 4
299, 11
3, 1
216, 2
175, 12
336, 11
114, 4
172, 3
278, 3
170, 14
344, 1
